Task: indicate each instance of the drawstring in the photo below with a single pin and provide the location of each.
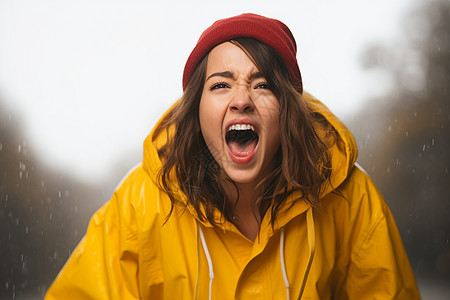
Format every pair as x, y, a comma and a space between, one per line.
208, 259
283, 267
198, 263
312, 248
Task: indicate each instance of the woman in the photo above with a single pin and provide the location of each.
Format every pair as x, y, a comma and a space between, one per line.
248, 189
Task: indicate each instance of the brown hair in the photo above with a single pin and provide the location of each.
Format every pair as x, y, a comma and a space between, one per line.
302, 161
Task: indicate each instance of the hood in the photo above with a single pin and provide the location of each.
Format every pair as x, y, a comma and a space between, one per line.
343, 153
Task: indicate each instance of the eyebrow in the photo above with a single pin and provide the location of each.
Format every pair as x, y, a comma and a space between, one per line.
229, 74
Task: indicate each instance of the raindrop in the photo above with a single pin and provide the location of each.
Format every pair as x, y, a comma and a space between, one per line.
1, 146
19, 148
423, 148
406, 133
26, 229
398, 161
50, 217
432, 142
388, 170
25, 270
415, 114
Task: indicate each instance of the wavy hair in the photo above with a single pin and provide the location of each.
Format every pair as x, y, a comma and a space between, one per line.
302, 161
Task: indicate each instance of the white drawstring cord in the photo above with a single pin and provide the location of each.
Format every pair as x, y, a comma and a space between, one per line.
208, 259
283, 266
197, 282
312, 248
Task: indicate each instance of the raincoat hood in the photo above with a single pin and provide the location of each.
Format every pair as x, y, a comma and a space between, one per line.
343, 153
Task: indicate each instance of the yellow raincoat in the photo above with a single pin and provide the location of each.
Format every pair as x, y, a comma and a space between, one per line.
348, 248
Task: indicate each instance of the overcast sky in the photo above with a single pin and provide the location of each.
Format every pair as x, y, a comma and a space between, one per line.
90, 78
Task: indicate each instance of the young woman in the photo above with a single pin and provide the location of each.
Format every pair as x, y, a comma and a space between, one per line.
248, 190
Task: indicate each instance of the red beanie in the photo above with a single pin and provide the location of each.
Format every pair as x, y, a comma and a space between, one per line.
269, 31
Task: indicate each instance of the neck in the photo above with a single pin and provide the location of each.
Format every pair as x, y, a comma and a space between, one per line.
246, 213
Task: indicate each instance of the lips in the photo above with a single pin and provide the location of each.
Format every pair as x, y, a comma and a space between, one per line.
242, 140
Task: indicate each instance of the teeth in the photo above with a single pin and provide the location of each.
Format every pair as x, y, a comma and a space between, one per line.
241, 127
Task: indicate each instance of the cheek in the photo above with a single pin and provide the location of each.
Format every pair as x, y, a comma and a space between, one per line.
273, 122
274, 136
203, 113
271, 112
209, 120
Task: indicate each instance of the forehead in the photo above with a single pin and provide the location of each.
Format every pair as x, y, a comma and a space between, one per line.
229, 57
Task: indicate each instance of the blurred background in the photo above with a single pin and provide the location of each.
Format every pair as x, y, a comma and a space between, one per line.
83, 82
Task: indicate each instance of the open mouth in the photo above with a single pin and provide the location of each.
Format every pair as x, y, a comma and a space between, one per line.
242, 140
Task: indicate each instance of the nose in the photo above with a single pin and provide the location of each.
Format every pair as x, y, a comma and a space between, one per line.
241, 102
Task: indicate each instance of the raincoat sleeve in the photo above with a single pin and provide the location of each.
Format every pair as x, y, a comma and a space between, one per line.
379, 267
104, 265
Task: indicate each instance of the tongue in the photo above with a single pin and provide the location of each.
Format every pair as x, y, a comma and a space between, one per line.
242, 150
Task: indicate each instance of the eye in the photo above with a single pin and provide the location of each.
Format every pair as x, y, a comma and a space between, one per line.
263, 85
219, 85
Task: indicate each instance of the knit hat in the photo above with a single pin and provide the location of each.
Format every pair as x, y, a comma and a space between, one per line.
269, 31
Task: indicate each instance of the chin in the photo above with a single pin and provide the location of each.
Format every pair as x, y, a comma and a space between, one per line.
242, 176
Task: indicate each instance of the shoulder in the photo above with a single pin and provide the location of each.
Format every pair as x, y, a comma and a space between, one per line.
134, 178
136, 186
357, 210
361, 195
377, 261
135, 197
